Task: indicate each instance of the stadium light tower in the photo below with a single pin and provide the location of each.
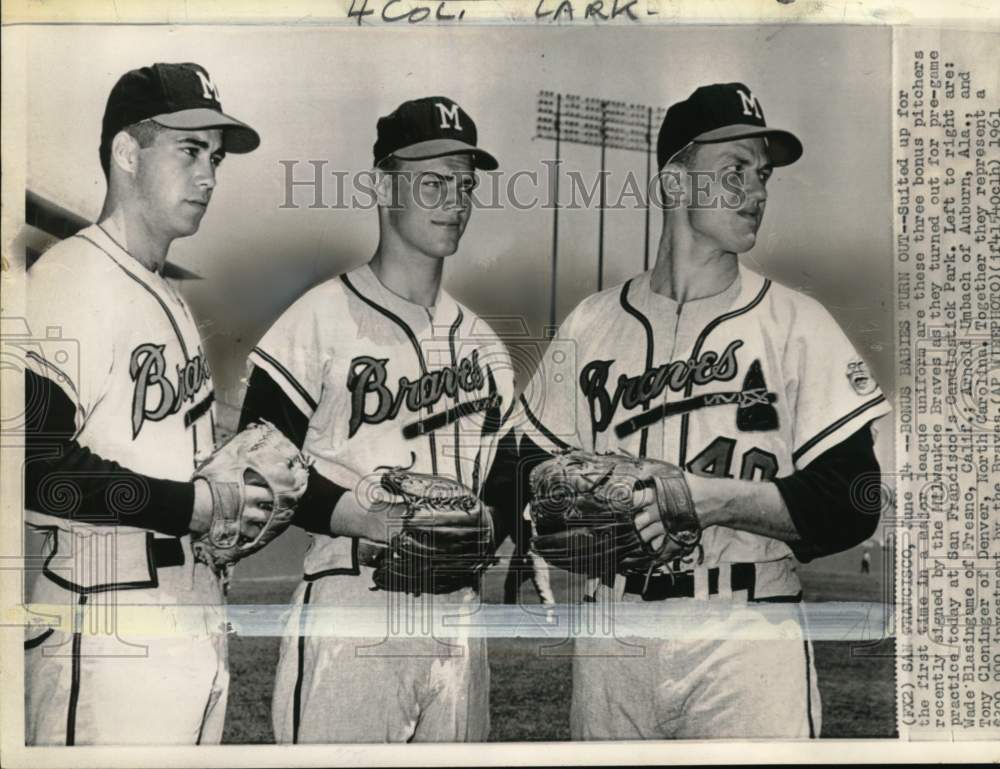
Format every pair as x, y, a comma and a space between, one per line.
601, 123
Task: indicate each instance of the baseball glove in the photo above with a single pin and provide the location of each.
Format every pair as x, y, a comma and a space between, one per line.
446, 537
260, 455
584, 505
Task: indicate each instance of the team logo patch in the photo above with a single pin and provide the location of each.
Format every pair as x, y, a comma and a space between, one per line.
859, 377
375, 398
149, 370
755, 411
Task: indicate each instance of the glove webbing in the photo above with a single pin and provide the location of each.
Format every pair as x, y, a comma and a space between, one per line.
226, 496
670, 496
677, 496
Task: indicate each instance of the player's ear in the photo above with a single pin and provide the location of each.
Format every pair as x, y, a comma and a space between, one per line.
125, 152
673, 186
385, 185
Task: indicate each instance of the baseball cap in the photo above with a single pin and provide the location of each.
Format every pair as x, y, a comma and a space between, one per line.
180, 96
720, 113
431, 127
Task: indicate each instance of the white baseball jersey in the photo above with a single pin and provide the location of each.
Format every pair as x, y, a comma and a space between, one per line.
383, 382
122, 346
753, 383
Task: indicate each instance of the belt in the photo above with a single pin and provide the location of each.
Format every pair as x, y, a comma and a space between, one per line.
164, 552
743, 576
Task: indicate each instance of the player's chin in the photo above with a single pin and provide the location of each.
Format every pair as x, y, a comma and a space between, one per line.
444, 253
185, 232
742, 240
188, 225
748, 243
446, 243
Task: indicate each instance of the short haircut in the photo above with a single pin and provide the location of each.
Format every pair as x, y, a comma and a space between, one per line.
390, 165
144, 132
686, 156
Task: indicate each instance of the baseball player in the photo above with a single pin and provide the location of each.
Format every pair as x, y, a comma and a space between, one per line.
756, 393
380, 367
112, 436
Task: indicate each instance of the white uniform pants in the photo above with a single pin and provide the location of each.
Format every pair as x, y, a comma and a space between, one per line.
83, 688
333, 689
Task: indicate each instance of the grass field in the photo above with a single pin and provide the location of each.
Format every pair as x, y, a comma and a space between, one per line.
530, 695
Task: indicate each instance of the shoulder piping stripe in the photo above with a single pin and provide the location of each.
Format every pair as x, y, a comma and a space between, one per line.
648, 329
835, 426
288, 377
157, 297
454, 364
696, 351
711, 326
43, 362
391, 316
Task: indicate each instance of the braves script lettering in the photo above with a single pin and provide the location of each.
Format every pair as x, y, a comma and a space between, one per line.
634, 391
368, 376
148, 368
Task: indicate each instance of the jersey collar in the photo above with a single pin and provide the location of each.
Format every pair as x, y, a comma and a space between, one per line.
96, 234
425, 321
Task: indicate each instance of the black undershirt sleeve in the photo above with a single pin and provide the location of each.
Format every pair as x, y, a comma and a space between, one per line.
820, 502
266, 400
67, 480
818, 497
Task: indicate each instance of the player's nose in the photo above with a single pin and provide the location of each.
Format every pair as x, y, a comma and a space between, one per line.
456, 196
205, 175
756, 189
453, 197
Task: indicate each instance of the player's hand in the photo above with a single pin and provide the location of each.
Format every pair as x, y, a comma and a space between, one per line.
386, 519
370, 553
647, 521
649, 524
651, 531
257, 504
365, 514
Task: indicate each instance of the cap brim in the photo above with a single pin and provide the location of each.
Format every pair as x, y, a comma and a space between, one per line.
783, 147
440, 148
237, 137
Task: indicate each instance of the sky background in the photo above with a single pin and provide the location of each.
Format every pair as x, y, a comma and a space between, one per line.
315, 94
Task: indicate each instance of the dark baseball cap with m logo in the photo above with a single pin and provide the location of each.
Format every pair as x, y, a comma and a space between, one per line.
432, 127
721, 113
180, 96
